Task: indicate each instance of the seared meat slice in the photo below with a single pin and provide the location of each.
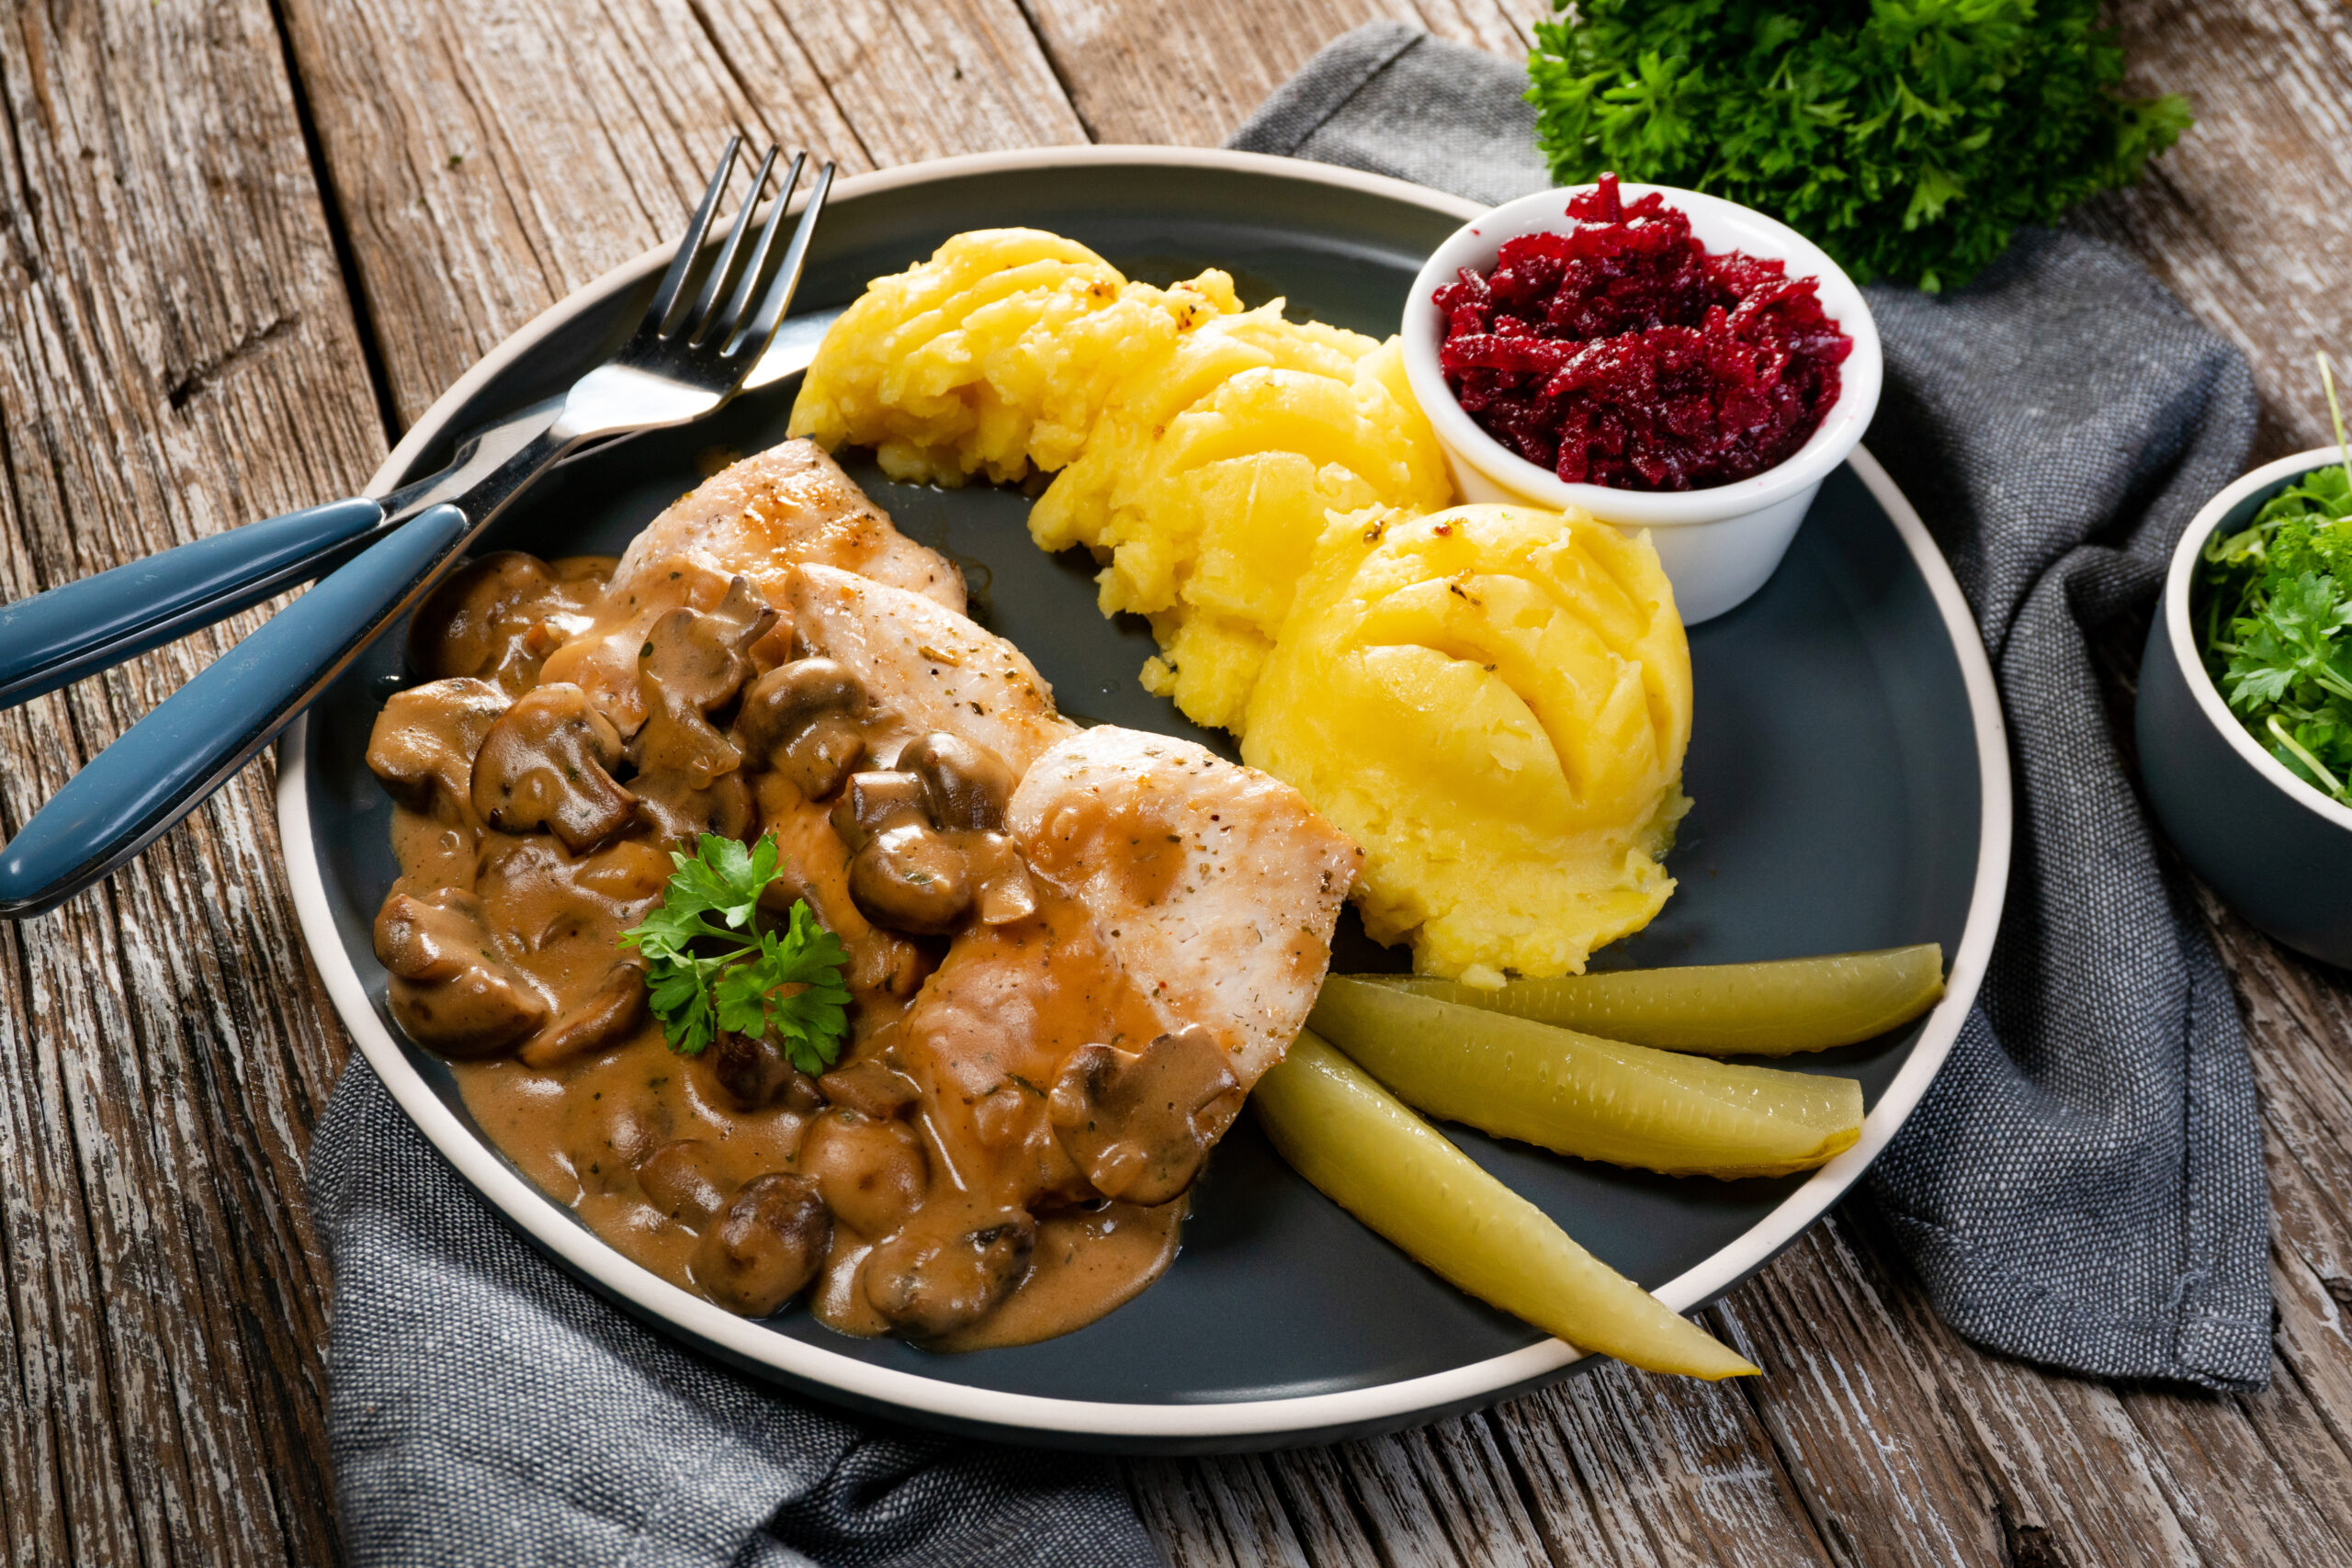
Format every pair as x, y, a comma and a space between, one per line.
1219, 883
759, 519
1183, 924
925, 667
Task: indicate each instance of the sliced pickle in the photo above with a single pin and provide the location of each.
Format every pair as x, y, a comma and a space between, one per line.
1722, 1009
1400, 1176
1581, 1095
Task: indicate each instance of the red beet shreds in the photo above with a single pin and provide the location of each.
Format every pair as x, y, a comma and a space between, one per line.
1622, 353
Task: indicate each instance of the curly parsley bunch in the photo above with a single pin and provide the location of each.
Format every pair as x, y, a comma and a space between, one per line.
1907, 138
2275, 607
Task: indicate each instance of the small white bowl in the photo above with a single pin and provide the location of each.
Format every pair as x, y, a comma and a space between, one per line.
1720, 543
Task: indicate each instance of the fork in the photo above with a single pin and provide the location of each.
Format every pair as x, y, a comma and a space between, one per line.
73, 631
686, 357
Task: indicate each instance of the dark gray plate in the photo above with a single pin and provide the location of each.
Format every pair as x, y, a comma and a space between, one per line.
1846, 764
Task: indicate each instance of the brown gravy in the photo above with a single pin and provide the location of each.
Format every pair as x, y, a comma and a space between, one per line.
925, 1165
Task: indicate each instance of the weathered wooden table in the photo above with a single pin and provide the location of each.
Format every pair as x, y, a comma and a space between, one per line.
244, 242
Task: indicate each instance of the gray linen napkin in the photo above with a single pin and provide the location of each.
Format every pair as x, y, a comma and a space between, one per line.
485, 1408
2083, 1185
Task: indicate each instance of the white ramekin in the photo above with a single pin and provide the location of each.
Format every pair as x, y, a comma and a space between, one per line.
1720, 543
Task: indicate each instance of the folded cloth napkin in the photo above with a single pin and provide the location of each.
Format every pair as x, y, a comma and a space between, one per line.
2083, 1185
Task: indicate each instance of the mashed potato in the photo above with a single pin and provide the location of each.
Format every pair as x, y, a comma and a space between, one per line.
1197, 448
1209, 478
995, 355
1493, 702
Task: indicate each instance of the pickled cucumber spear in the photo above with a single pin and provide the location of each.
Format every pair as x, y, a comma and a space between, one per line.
1396, 1173
1722, 1009
1584, 1096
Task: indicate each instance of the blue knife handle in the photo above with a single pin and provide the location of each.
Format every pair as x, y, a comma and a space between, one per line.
195, 738
55, 638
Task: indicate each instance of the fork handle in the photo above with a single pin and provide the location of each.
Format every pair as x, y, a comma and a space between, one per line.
55, 638
195, 739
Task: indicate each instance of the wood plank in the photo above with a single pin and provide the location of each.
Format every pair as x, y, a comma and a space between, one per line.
2065, 1474
1634, 1469
1216, 1512
911, 82
1188, 75
1853, 1413
177, 356
2244, 219
488, 164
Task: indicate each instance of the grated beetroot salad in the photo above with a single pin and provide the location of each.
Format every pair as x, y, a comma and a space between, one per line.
1622, 352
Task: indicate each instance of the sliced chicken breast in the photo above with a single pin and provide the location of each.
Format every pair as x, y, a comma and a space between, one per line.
1218, 885
759, 520
927, 666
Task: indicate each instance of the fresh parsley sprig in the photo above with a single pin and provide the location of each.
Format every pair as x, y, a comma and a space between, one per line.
710, 966
1908, 137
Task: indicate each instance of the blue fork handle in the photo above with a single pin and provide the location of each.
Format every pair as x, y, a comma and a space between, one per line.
55, 638
197, 738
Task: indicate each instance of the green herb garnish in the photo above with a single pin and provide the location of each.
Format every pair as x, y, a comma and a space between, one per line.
1908, 137
736, 975
2274, 600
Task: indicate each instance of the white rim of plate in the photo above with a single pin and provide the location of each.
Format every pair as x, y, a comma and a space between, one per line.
2185, 652
554, 1228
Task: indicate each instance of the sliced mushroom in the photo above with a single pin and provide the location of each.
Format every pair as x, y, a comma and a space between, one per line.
930, 1282
873, 801
1138, 1124
871, 1088
806, 720
966, 785
871, 1172
610, 1012
1001, 891
427, 735
692, 663
765, 1246
500, 615
753, 1073
912, 878
547, 764
449, 988
820, 760
680, 808
683, 1179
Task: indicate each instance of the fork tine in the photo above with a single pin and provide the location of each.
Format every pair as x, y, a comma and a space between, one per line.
787, 274
755, 274
722, 270
673, 282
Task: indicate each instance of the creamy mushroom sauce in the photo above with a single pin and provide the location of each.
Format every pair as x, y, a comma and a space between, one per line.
530, 834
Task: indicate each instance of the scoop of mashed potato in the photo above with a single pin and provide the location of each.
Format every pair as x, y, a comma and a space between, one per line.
1494, 703
995, 356
1197, 448
1208, 479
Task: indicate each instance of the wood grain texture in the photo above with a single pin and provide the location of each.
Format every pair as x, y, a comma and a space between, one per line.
488, 162
177, 354
1188, 75
182, 346
2244, 219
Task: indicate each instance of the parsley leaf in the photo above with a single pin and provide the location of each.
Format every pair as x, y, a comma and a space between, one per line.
1908, 137
705, 975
